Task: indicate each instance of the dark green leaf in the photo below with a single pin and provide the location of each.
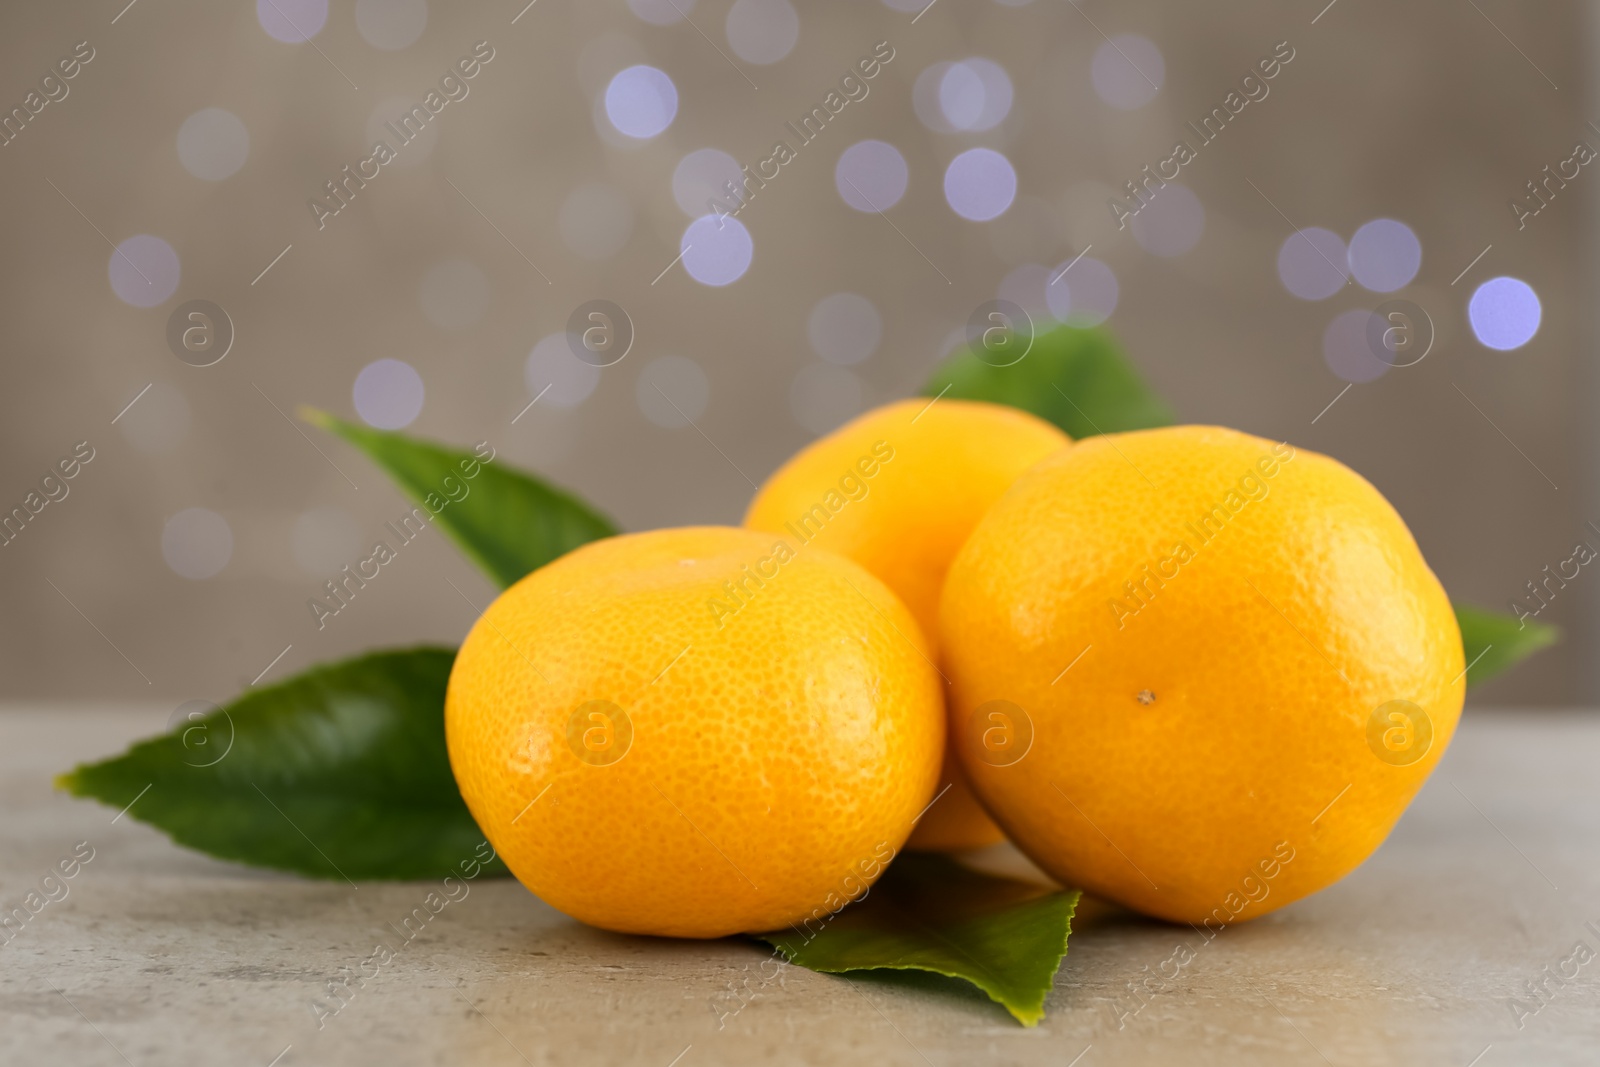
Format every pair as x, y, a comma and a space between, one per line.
1495, 643
1076, 377
928, 913
508, 522
340, 772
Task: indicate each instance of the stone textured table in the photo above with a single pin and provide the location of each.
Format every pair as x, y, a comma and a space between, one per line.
156, 955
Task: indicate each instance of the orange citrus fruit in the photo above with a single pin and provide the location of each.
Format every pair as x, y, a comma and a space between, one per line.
898, 490
695, 732
1197, 672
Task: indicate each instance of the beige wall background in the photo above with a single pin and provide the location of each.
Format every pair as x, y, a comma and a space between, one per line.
1435, 113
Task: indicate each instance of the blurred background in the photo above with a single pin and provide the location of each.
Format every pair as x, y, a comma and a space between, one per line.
162, 153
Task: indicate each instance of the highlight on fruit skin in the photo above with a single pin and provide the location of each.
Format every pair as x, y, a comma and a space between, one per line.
1196, 672
898, 490
696, 732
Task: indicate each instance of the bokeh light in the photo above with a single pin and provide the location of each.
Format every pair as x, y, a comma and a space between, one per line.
1384, 255
1505, 313
599, 58
388, 394
871, 175
292, 21
1085, 295
641, 101
1312, 263
762, 31
925, 92
974, 94
1171, 223
213, 144
557, 377
390, 25
197, 543
703, 175
1128, 71
144, 271
716, 250
672, 391
1347, 346
844, 328
1025, 287
159, 422
661, 12
980, 184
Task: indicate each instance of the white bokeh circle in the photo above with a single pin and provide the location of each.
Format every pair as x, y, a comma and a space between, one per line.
762, 31
702, 176
641, 101
1347, 346
1171, 223
1312, 263
871, 175
716, 250
980, 184
213, 144
390, 25
388, 394
197, 543
144, 271
672, 391
158, 422
557, 377
1083, 293
1384, 255
844, 328
975, 94
292, 21
925, 97
1505, 313
661, 12
1127, 71
1025, 287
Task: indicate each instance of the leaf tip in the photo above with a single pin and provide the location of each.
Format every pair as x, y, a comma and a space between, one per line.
1545, 634
1493, 642
315, 416
1029, 1017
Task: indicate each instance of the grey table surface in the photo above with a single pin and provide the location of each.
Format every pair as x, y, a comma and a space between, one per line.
157, 955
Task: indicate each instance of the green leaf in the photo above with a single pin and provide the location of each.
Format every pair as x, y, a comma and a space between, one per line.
929, 913
508, 522
1079, 379
340, 772
1076, 377
1494, 642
